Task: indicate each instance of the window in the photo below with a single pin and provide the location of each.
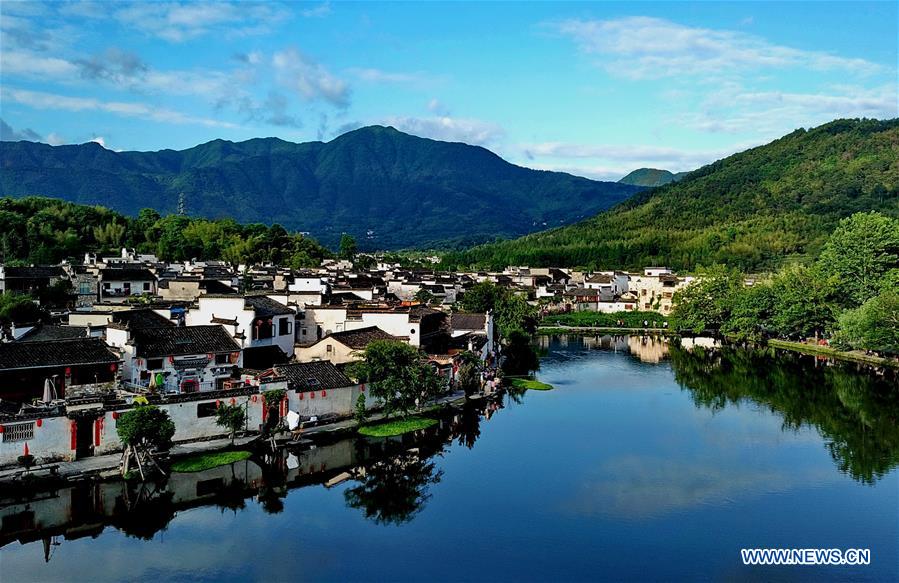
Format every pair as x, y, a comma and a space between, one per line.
643, 292
85, 287
206, 410
222, 358
329, 348
284, 327
154, 363
18, 432
146, 286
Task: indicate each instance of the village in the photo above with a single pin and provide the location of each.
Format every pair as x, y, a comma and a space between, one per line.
190, 336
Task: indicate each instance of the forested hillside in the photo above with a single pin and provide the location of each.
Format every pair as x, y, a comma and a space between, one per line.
388, 189
44, 230
750, 210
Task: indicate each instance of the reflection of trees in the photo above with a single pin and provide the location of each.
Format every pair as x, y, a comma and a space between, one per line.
857, 411
468, 425
142, 510
394, 490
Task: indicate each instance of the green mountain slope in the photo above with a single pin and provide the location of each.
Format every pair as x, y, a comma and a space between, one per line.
387, 188
651, 177
750, 210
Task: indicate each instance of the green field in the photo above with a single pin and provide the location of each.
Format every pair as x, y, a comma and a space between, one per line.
397, 427
529, 384
205, 461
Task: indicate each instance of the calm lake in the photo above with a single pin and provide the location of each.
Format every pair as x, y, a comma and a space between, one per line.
647, 462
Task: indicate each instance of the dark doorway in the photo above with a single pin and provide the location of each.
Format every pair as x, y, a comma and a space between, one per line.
84, 437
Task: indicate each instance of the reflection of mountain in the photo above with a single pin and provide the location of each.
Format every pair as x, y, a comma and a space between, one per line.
857, 411
393, 476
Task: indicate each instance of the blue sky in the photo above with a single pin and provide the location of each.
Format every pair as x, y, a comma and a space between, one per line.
594, 88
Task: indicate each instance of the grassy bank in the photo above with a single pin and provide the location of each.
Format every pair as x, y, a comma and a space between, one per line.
602, 320
814, 349
530, 384
205, 461
397, 427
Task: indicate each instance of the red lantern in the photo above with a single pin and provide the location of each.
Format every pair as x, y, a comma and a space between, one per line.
209, 356
324, 393
233, 400
68, 371
218, 403
39, 422
171, 359
302, 396
312, 395
1, 429
115, 415
26, 449
255, 398
113, 367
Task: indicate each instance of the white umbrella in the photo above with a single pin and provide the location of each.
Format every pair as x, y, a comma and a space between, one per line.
48, 390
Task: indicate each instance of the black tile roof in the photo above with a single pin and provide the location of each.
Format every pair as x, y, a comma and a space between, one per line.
311, 376
33, 271
47, 332
468, 321
71, 352
173, 341
360, 338
141, 318
126, 274
266, 307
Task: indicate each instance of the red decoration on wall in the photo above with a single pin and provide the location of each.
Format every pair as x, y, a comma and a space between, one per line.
39, 422
73, 431
255, 398
1, 429
98, 427
302, 396
171, 359
115, 415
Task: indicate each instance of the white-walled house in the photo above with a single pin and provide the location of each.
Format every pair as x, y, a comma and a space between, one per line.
253, 321
187, 359
117, 284
342, 347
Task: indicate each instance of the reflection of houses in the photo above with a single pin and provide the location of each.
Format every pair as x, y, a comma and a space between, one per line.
26, 366
117, 284
652, 349
176, 359
342, 347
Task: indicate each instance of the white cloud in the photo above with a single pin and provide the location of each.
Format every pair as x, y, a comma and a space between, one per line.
182, 21
733, 109
310, 79
380, 76
318, 11
55, 139
99, 140
641, 47
41, 100
9, 134
31, 64
452, 129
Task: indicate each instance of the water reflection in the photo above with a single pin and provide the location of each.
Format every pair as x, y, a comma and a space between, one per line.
393, 477
854, 407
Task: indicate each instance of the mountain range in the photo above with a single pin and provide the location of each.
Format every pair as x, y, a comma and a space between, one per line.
387, 188
651, 177
752, 210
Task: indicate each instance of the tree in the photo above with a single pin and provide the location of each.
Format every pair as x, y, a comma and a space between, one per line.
802, 306
231, 417
360, 413
510, 311
398, 376
874, 325
519, 356
751, 312
424, 296
706, 303
481, 297
143, 430
20, 308
348, 247
862, 256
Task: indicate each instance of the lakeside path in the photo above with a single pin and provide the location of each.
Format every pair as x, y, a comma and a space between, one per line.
107, 466
811, 349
